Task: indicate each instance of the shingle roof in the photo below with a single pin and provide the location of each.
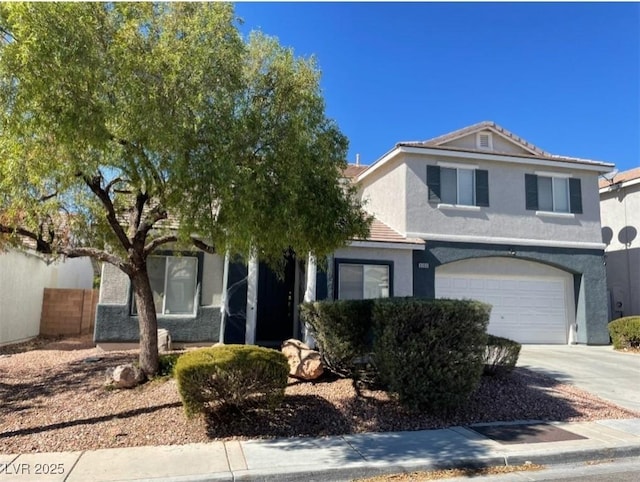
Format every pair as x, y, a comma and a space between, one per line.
381, 233
625, 176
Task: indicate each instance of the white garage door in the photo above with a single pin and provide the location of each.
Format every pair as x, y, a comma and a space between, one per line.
527, 310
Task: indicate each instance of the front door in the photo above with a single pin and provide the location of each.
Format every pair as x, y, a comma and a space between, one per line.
276, 304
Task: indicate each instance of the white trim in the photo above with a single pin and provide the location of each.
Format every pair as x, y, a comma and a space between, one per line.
459, 207
555, 214
386, 244
481, 156
458, 238
563, 175
379, 163
310, 291
224, 301
309, 296
457, 165
252, 300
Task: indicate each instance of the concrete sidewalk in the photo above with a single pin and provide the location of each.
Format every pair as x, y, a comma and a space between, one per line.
328, 459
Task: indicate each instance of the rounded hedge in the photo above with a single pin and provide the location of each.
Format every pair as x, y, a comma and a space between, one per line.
430, 352
239, 376
625, 332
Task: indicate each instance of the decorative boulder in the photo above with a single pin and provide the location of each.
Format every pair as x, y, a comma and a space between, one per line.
125, 376
304, 363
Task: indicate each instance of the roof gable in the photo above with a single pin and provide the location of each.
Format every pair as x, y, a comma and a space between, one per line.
505, 141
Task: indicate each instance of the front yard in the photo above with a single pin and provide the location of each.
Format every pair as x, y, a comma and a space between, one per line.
52, 398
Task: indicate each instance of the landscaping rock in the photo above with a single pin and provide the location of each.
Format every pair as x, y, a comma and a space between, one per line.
304, 363
125, 376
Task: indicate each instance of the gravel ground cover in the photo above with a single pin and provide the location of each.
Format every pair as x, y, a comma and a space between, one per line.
52, 398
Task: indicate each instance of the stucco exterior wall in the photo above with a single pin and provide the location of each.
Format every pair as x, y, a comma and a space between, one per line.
385, 195
402, 265
506, 216
114, 286
23, 278
114, 322
620, 211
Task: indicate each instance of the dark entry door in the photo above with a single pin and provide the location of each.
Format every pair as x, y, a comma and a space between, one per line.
276, 299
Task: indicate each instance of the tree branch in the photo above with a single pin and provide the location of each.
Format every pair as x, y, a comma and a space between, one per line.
155, 243
198, 243
42, 246
45, 247
98, 255
94, 184
143, 156
156, 214
46, 197
136, 214
112, 183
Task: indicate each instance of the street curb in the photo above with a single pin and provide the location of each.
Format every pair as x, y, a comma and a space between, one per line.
362, 470
572, 456
372, 469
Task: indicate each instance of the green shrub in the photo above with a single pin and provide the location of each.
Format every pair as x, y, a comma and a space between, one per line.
236, 376
430, 352
166, 364
343, 333
501, 355
625, 332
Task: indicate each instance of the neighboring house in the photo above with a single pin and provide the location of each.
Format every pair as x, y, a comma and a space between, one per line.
23, 277
478, 213
620, 211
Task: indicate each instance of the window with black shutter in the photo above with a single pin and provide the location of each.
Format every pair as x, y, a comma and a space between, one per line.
458, 186
553, 194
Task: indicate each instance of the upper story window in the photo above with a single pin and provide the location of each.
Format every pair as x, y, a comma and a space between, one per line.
553, 194
458, 186
357, 281
173, 283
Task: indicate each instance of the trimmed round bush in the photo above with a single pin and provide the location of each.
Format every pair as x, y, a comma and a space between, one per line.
343, 333
500, 356
430, 352
236, 376
625, 332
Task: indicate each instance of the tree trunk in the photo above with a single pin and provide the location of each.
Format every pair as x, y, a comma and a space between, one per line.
147, 320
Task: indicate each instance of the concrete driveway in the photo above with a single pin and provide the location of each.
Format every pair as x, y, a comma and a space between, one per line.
600, 370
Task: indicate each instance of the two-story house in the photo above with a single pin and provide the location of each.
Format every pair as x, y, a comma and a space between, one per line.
478, 213
620, 211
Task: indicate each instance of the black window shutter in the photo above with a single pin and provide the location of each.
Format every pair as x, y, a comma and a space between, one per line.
575, 196
433, 183
482, 187
531, 191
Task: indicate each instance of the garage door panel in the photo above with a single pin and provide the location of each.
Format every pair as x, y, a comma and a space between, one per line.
525, 310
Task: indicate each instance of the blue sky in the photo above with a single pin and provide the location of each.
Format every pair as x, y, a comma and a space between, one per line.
564, 76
